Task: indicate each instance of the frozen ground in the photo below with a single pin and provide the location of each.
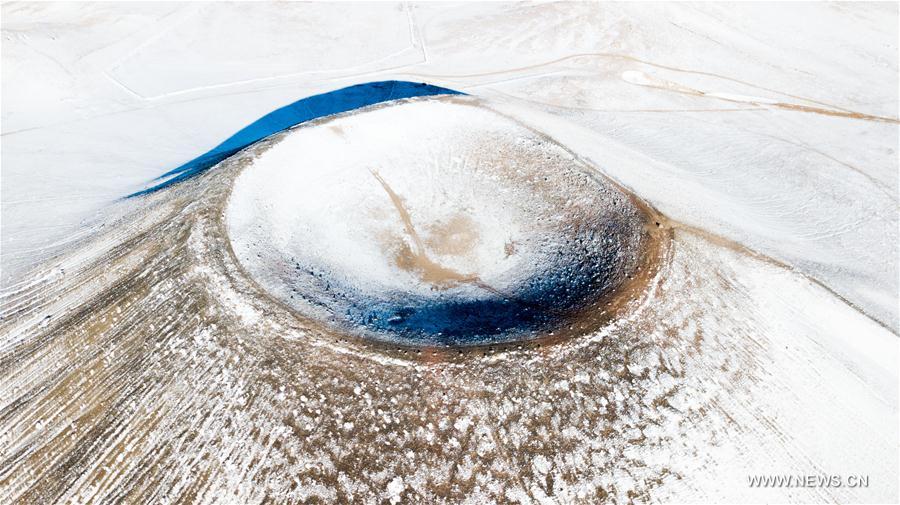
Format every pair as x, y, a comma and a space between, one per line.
767, 342
768, 119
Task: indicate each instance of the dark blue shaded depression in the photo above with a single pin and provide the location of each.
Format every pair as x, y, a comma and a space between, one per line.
301, 111
577, 273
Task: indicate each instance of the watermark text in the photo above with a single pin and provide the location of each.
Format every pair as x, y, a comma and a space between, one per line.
807, 481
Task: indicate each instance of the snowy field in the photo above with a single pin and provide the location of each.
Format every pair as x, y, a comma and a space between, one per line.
725, 175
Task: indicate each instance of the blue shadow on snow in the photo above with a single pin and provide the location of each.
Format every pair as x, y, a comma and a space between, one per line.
301, 111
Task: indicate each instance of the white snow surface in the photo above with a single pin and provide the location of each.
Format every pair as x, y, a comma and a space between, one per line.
316, 192
773, 126
675, 101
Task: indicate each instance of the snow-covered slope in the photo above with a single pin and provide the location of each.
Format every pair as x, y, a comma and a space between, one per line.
766, 134
775, 119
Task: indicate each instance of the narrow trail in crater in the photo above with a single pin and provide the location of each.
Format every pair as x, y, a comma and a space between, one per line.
429, 270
